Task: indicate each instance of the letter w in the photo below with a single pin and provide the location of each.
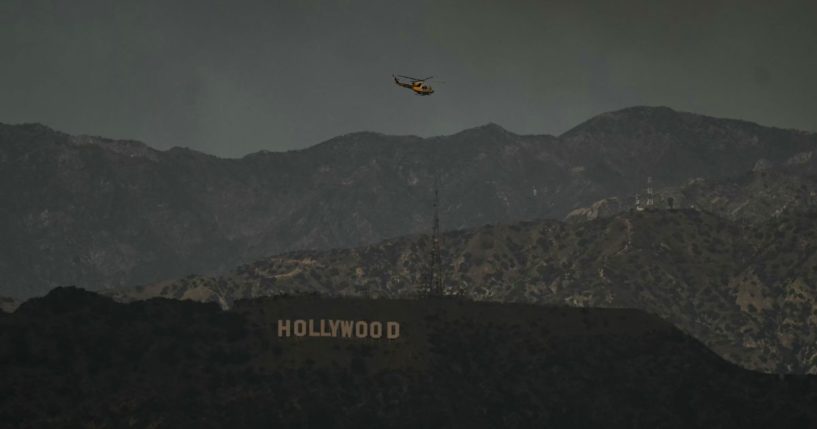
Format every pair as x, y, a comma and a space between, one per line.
346, 328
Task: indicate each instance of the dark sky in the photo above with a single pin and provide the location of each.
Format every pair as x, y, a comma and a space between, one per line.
232, 77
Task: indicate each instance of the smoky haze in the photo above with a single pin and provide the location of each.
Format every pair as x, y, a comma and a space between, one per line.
233, 77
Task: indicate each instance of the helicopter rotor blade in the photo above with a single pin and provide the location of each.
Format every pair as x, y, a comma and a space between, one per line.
414, 79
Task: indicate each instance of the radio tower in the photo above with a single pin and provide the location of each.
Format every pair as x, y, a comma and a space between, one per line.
649, 191
434, 285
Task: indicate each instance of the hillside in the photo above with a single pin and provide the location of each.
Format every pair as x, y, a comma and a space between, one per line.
103, 214
76, 359
673, 147
743, 290
753, 197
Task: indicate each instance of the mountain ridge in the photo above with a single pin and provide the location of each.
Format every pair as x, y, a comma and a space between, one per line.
105, 214
487, 126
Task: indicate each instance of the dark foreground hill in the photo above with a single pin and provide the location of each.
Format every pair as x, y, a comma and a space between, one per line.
102, 213
77, 359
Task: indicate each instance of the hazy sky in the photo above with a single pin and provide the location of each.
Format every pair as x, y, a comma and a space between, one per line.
231, 77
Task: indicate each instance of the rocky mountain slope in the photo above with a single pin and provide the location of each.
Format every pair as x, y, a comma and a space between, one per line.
746, 291
103, 214
752, 197
76, 359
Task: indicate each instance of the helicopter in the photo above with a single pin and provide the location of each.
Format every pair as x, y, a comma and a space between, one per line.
419, 86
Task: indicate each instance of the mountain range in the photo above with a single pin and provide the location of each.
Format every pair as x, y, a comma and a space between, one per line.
104, 214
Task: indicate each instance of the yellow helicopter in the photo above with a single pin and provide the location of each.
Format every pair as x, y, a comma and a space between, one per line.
419, 86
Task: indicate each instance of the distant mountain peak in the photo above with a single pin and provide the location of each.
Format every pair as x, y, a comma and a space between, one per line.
359, 135
630, 115
492, 126
32, 127
360, 140
643, 110
489, 129
662, 119
637, 112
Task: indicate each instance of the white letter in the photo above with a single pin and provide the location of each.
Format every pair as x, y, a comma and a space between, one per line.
361, 333
300, 328
346, 328
283, 326
376, 330
334, 325
392, 330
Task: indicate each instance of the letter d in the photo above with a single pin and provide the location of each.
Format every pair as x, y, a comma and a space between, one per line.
392, 330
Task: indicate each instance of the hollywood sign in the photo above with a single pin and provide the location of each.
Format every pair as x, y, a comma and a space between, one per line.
389, 330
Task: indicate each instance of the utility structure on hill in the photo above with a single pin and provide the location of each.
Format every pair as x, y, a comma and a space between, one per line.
649, 202
434, 276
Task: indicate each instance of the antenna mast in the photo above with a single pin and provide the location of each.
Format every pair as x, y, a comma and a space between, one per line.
434, 280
